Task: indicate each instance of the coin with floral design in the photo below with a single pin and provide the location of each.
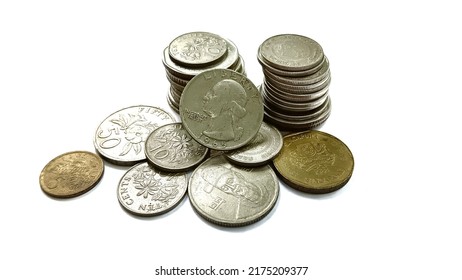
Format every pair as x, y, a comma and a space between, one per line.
145, 191
71, 174
171, 148
121, 137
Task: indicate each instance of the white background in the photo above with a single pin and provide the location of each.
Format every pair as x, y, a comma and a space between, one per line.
396, 91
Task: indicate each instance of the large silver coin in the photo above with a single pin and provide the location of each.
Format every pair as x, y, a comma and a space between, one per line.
228, 195
171, 148
197, 49
145, 191
291, 52
120, 137
221, 109
264, 147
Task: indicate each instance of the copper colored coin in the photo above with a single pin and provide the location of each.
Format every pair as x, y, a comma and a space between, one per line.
314, 162
71, 174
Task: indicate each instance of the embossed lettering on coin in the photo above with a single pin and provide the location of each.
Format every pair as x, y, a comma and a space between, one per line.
232, 196
171, 148
146, 191
121, 137
314, 161
229, 112
71, 174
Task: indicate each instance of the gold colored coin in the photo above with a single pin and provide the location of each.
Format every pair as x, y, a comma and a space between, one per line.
71, 174
314, 162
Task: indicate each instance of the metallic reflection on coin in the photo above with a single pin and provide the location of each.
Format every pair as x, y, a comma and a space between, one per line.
145, 191
232, 196
264, 147
120, 137
197, 48
171, 148
221, 109
71, 174
314, 162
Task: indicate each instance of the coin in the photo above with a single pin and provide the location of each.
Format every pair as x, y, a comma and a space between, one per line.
121, 136
291, 52
265, 146
71, 174
314, 162
221, 109
171, 148
232, 196
145, 191
197, 48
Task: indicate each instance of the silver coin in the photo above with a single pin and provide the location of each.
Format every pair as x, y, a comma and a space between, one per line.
294, 97
300, 89
232, 196
120, 137
265, 146
145, 191
196, 49
297, 116
291, 52
171, 148
303, 80
294, 106
221, 109
286, 73
172, 104
185, 72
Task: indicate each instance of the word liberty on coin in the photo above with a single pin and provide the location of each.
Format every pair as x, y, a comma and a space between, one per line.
221, 109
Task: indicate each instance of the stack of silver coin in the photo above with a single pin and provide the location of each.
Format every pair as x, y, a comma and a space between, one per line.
296, 82
193, 53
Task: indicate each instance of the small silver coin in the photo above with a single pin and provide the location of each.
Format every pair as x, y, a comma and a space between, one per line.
294, 97
287, 73
303, 80
120, 137
232, 196
196, 49
291, 52
264, 147
171, 148
145, 191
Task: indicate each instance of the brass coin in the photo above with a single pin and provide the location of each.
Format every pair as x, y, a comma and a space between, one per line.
314, 162
71, 174
221, 109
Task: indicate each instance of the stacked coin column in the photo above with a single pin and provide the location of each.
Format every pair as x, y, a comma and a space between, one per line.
193, 53
296, 82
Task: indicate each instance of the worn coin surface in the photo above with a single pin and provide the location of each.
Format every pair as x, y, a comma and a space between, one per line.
171, 148
291, 52
314, 162
71, 174
264, 147
121, 136
229, 195
221, 109
197, 48
145, 191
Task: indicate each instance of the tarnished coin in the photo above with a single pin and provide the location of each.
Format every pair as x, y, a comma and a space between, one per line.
291, 52
120, 137
221, 109
145, 191
264, 147
71, 174
197, 48
171, 148
228, 195
314, 162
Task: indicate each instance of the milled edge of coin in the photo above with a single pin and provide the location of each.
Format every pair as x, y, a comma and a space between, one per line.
220, 222
140, 214
272, 131
158, 164
312, 190
100, 175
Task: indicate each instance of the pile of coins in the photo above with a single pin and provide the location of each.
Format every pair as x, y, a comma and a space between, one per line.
296, 82
221, 110
192, 53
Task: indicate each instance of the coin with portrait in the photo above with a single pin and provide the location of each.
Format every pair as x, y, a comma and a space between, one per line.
221, 109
